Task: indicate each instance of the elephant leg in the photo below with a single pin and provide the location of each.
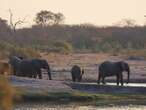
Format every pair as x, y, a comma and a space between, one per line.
117, 79
103, 80
121, 79
40, 76
15, 71
79, 79
34, 76
31, 76
73, 79
99, 77
39, 73
49, 74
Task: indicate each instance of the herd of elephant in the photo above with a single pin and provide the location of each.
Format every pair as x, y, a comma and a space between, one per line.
32, 68
105, 69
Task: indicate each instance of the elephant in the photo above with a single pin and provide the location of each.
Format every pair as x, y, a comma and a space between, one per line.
29, 67
22, 67
77, 73
108, 68
41, 64
26, 69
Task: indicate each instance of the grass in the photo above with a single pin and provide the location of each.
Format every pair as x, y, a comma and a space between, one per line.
98, 99
135, 53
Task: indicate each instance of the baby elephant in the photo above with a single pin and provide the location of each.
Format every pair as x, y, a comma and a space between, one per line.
77, 73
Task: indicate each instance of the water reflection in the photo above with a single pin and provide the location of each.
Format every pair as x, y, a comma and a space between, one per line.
126, 85
131, 84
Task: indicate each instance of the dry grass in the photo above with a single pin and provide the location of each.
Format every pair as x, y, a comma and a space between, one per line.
71, 59
61, 65
6, 94
135, 53
5, 68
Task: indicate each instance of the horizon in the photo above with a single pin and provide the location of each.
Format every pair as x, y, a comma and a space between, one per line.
96, 12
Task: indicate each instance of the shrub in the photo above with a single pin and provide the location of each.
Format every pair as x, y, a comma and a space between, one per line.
8, 49
63, 47
25, 52
135, 53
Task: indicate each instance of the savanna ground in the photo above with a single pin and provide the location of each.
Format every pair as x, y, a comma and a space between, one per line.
62, 63
62, 89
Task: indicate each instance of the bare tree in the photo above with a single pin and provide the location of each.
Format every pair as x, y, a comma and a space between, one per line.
126, 23
13, 24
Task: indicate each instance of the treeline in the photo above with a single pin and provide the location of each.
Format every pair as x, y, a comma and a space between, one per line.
74, 38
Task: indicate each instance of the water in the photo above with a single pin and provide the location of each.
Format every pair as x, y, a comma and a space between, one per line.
131, 84
48, 106
125, 84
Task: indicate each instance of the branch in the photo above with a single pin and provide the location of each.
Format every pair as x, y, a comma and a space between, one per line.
11, 18
18, 22
14, 24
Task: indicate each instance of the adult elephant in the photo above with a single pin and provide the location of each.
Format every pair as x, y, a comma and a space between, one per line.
26, 69
29, 67
108, 68
22, 67
77, 73
41, 64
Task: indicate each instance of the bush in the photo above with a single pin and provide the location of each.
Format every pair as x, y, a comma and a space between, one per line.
135, 54
25, 52
8, 49
63, 47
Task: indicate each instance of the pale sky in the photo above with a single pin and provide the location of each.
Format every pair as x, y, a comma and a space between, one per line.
97, 12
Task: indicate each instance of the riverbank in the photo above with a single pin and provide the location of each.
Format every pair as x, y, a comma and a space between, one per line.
98, 99
35, 90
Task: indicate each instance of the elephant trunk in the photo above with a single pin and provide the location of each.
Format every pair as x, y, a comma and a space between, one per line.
128, 76
82, 71
49, 74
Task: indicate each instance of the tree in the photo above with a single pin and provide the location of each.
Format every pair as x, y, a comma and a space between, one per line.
3, 22
45, 18
4, 29
58, 18
14, 24
3, 25
63, 46
126, 23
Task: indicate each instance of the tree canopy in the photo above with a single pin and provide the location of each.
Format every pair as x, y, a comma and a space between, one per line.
45, 18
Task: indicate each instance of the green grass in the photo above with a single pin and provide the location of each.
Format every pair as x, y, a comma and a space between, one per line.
90, 98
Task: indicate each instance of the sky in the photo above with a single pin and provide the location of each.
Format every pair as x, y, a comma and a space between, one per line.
97, 12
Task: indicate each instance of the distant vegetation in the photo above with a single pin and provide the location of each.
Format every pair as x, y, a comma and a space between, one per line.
50, 35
